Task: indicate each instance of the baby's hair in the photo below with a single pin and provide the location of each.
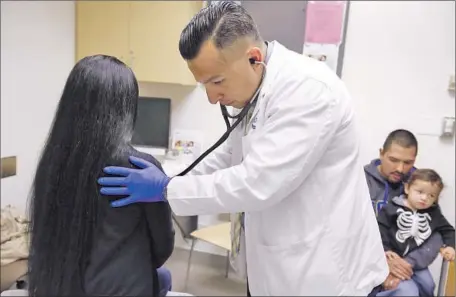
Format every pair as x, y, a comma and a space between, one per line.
427, 175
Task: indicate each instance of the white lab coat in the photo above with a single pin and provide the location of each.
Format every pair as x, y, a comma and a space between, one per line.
309, 225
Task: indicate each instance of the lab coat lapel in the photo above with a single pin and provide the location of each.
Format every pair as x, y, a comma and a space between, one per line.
259, 114
244, 135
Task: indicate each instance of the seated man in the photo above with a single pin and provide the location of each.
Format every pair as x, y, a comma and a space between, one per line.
385, 177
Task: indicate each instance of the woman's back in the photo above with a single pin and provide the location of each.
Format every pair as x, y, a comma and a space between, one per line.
75, 235
129, 244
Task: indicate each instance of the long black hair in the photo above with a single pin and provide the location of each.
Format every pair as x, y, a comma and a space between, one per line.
93, 123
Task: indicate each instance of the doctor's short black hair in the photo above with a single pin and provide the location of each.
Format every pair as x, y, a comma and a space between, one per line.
223, 23
403, 138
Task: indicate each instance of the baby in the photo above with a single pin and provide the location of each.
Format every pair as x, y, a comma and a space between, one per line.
408, 221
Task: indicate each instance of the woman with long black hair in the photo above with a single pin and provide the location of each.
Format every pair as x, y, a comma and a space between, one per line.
79, 244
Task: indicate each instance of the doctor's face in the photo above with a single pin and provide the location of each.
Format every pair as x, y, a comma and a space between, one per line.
227, 75
396, 162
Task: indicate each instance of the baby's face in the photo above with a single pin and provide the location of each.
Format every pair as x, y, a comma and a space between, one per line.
422, 194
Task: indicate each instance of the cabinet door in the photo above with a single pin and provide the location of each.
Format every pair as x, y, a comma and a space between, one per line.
102, 27
155, 28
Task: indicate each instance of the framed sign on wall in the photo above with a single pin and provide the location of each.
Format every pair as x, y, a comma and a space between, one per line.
325, 30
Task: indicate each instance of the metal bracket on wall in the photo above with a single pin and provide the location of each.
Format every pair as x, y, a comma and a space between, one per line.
8, 166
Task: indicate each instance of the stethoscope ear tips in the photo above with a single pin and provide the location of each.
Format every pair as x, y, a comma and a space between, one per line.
253, 61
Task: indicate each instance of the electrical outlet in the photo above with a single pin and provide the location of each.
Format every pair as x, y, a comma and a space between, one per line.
451, 86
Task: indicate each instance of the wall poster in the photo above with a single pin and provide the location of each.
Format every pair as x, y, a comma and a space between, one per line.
325, 29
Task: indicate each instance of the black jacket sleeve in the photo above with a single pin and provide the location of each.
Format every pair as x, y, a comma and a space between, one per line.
384, 224
443, 227
159, 220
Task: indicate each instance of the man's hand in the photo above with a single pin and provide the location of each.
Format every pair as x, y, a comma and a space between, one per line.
391, 282
447, 253
141, 185
398, 267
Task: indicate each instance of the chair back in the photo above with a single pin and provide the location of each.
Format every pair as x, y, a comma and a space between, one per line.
186, 224
447, 281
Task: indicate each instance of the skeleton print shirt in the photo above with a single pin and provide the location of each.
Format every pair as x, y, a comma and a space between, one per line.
403, 230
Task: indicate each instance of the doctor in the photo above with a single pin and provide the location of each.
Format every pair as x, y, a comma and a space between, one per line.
292, 168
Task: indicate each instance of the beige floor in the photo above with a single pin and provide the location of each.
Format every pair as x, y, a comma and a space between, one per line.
207, 275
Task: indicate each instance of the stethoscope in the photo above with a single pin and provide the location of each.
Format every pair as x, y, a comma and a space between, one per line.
226, 116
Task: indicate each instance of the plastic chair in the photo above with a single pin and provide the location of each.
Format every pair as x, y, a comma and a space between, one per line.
218, 235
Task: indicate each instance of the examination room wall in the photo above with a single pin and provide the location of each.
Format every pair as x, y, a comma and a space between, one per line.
398, 59
37, 54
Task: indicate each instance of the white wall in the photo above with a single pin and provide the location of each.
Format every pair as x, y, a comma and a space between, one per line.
398, 59
37, 53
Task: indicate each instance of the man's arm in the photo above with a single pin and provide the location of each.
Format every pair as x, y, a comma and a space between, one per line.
423, 256
443, 227
283, 152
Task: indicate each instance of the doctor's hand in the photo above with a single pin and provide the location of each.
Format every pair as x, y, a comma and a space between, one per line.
141, 185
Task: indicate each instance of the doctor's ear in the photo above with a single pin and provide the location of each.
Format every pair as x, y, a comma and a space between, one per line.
255, 55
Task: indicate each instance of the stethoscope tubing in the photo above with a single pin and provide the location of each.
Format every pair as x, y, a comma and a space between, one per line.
230, 128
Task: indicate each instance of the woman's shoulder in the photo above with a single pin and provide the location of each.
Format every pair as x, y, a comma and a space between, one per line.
145, 156
122, 158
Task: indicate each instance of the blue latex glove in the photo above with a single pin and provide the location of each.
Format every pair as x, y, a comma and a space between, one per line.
142, 185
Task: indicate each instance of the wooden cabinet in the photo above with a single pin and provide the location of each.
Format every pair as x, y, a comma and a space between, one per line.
143, 34
102, 28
